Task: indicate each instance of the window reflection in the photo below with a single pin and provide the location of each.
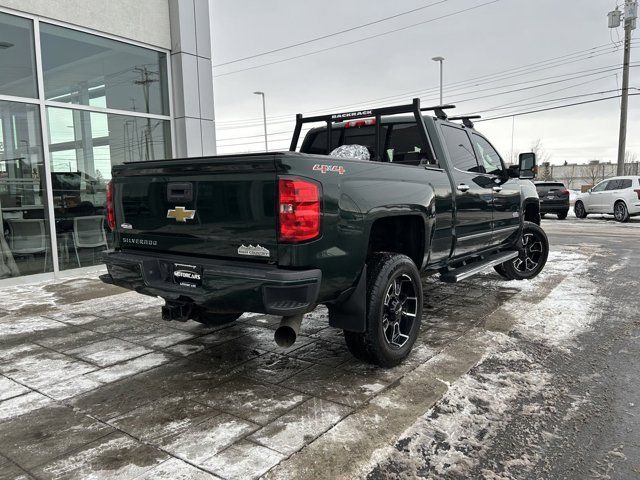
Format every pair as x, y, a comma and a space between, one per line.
89, 70
17, 57
83, 147
24, 239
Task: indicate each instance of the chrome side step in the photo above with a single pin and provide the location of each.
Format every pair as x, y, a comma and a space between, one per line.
466, 271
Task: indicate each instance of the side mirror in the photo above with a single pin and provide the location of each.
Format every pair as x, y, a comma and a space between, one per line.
527, 163
590, 190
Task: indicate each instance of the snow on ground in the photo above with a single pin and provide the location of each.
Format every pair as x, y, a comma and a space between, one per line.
449, 440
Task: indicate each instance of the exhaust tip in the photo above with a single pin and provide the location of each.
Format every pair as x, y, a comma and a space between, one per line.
287, 332
285, 336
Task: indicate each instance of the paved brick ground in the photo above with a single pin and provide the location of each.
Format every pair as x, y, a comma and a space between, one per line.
93, 384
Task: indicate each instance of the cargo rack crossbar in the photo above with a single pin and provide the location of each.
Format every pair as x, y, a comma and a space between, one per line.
376, 113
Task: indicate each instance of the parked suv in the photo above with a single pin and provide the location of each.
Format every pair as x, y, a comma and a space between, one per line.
554, 198
618, 196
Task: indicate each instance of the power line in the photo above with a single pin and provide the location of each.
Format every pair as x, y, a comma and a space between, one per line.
584, 73
482, 111
358, 40
553, 108
489, 78
323, 37
558, 107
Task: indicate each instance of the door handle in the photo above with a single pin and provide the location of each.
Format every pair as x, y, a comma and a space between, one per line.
497, 189
463, 187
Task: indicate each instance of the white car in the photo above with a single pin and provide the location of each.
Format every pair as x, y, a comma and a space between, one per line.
617, 196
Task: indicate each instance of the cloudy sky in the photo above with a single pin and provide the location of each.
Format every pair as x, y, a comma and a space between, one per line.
503, 57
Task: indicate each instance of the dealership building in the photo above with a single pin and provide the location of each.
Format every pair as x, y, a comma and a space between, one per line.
85, 85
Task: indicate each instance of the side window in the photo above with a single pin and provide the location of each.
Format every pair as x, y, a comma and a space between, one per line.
489, 158
460, 149
624, 184
613, 185
405, 145
601, 186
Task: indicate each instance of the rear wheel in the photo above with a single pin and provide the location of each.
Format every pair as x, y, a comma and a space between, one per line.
621, 212
563, 215
394, 311
534, 251
579, 210
215, 319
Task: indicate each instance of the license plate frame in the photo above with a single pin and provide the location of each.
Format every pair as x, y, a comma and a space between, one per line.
187, 275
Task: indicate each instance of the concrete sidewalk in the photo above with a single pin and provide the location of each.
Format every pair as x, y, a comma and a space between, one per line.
95, 385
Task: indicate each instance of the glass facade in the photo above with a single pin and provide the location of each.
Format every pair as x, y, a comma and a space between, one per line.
17, 57
88, 70
102, 102
24, 244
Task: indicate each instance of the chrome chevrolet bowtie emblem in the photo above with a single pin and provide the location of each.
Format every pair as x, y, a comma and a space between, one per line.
181, 214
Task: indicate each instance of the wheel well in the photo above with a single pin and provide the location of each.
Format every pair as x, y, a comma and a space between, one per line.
532, 213
402, 234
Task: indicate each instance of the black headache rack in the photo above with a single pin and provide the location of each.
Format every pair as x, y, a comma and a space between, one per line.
376, 113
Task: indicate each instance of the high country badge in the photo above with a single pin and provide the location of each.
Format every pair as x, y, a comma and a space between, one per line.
256, 251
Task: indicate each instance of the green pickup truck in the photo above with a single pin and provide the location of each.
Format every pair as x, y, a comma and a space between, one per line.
370, 201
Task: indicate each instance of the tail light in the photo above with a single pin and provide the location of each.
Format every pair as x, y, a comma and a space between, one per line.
299, 209
564, 192
638, 192
111, 214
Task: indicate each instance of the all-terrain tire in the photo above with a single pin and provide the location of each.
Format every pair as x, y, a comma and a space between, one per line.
580, 210
534, 251
621, 212
562, 215
215, 319
385, 271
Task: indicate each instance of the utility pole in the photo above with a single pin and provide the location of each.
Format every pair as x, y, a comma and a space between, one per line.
264, 119
441, 61
630, 16
145, 81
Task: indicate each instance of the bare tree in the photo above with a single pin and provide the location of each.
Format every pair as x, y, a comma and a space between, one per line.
541, 155
594, 172
569, 175
631, 166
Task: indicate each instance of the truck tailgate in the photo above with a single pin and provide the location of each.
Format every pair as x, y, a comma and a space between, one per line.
216, 207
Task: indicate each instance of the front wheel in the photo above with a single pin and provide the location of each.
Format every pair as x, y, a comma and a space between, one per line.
621, 212
394, 311
534, 251
579, 210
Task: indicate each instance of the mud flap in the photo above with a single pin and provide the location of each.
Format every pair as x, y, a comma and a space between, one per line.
351, 314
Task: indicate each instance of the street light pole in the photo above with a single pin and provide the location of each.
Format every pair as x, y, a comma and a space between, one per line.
264, 118
440, 60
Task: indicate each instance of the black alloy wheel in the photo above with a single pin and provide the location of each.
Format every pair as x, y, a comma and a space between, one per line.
394, 311
532, 257
399, 311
